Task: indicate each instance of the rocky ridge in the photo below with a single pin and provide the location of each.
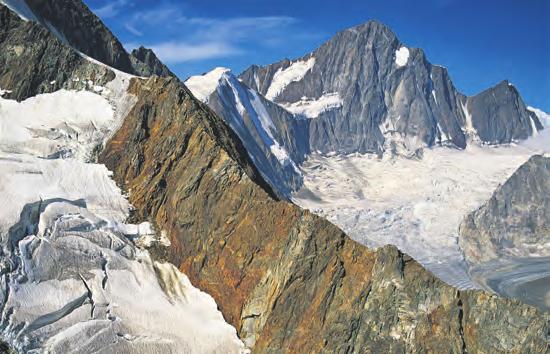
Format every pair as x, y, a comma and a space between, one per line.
146, 63
286, 279
76, 26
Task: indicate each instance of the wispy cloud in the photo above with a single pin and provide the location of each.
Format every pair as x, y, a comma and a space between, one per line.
178, 52
195, 38
111, 9
133, 30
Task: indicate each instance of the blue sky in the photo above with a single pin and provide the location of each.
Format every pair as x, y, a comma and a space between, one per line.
481, 42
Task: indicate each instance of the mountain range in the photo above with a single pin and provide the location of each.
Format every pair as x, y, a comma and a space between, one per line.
124, 194
366, 132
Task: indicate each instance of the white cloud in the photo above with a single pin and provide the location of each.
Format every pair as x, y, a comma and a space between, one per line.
178, 52
178, 37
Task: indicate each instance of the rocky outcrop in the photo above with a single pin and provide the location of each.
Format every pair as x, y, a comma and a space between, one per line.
146, 63
376, 93
515, 221
500, 115
507, 241
33, 60
289, 281
82, 29
53, 27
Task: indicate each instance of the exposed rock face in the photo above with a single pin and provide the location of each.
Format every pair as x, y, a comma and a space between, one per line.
82, 29
72, 23
375, 93
287, 280
515, 221
146, 63
500, 115
33, 60
507, 240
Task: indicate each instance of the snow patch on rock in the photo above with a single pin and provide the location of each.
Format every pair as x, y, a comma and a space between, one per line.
4, 92
468, 123
312, 108
283, 77
402, 56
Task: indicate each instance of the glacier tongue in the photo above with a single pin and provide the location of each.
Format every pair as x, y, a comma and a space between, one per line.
73, 279
414, 204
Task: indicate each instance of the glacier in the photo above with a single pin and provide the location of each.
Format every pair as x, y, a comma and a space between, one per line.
75, 276
414, 204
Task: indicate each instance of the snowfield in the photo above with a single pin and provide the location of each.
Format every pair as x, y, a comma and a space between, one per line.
414, 204
73, 278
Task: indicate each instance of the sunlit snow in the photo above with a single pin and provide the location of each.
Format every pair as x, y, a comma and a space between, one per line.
415, 204
295, 72
312, 108
77, 280
402, 56
542, 116
203, 86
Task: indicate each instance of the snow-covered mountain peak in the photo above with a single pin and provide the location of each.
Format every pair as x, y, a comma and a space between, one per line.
204, 85
285, 76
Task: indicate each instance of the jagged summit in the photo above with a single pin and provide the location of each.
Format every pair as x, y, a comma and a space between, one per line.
374, 28
146, 63
391, 97
73, 23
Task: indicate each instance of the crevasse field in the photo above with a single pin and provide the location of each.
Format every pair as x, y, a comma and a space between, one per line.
71, 263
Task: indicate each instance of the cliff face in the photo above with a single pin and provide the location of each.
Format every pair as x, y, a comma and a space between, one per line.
33, 60
507, 240
146, 63
515, 221
287, 280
